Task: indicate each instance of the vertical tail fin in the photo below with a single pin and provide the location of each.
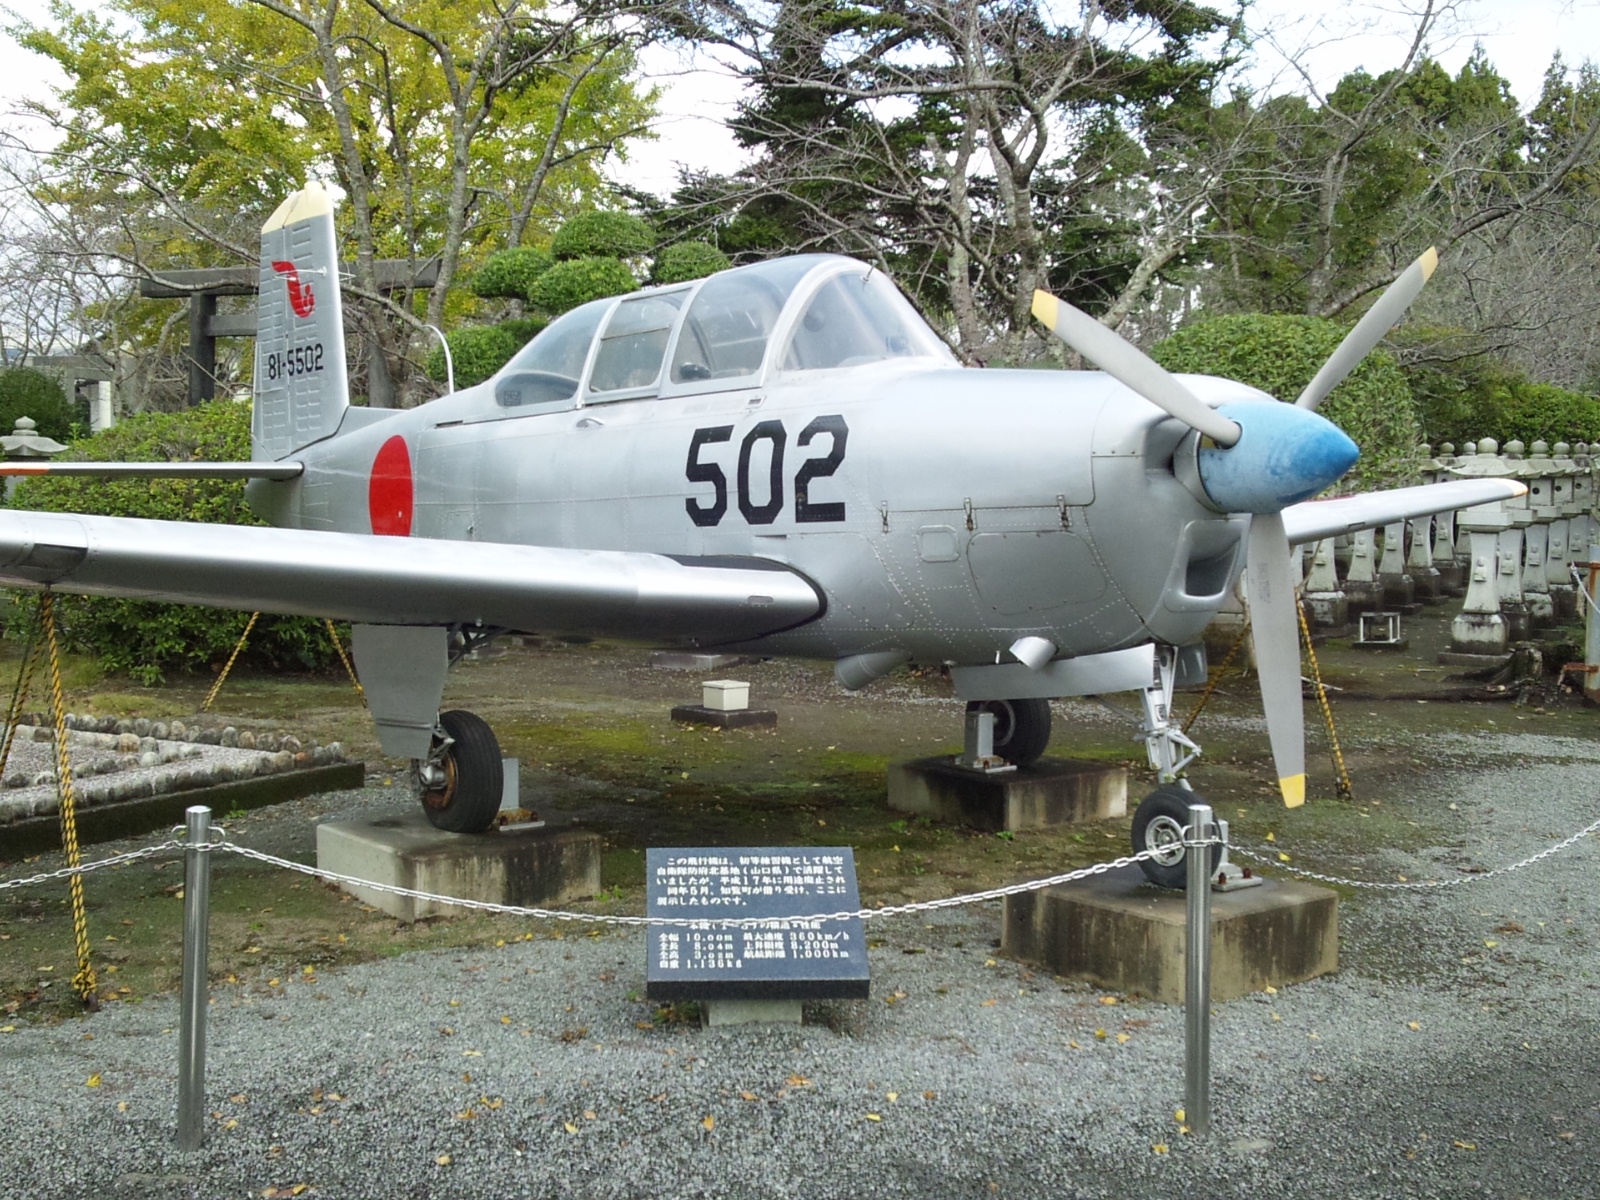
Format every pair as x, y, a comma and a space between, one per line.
301, 390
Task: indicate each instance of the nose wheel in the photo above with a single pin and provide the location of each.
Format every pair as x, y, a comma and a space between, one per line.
462, 779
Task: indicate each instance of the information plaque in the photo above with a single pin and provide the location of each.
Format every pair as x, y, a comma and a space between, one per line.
780, 959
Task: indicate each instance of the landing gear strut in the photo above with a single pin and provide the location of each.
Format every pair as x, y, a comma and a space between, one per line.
461, 781
1163, 815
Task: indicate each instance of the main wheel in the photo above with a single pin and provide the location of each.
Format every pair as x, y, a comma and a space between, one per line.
1021, 728
1158, 824
468, 797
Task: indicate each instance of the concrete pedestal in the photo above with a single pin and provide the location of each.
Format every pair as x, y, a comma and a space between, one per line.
1051, 792
737, 718
717, 1013
1123, 934
526, 867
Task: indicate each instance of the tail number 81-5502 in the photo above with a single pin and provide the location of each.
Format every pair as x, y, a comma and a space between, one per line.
762, 504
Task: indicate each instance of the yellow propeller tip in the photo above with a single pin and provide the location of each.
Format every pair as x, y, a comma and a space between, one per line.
1045, 307
1429, 262
1294, 790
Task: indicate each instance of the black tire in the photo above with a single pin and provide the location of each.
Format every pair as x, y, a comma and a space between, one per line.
1159, 822
474, 776
1021, 728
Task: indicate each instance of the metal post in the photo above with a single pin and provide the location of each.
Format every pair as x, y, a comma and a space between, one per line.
1197, 973
196, 947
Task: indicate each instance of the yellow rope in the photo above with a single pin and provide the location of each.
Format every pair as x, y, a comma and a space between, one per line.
333, 636
228, 666
1216, 677
19, 697
1339, 769
84, 980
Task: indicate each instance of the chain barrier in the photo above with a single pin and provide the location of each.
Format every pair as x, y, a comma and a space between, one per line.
19, 695
1426, 884
83, 980
1216, 677
1343, 787
349, 668
552, 914
116, 860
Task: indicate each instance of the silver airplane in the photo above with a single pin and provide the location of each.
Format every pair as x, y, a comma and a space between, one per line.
780, 459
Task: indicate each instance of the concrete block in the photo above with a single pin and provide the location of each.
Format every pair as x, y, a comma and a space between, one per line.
1121, 933
677, 660
725, 695
716, 1013
1051, 792
742, 718
531, 867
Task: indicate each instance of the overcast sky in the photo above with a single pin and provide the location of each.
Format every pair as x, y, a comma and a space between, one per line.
1520, 36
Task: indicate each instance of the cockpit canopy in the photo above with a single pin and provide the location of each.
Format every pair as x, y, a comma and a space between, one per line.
735, 329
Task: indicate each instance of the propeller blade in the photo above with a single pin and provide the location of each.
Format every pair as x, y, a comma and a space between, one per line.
1128, 365
1370, 330
1276, 634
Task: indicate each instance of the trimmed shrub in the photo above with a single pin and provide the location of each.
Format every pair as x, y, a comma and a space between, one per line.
1280, 354
509, 274
688, 260
144, 639
577, 281
1535, 411
603, 235
477, 351
25, 392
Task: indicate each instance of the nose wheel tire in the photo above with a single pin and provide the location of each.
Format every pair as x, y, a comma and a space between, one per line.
1158, 825
467, 797
1021, 728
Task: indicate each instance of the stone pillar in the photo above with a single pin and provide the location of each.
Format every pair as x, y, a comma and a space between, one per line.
1328, 605
1479, 628
1452, 570
1538, 472
1583, 531
1557, 559
1419, 563
1399, 589
1361, 585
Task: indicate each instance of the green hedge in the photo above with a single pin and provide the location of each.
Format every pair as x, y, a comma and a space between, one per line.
477, 351
603, 235
1280, 354
143, 639
577, 281
25, 392
509, 274
688, 260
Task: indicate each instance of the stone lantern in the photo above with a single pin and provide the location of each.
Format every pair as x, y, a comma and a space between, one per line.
23, 444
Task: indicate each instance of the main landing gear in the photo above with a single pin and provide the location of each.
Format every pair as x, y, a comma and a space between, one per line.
461, 781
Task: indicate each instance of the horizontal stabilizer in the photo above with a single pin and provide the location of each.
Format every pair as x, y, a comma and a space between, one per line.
408, 581
155, 470
1313, 520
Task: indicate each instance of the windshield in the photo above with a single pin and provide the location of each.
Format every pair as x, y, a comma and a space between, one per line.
858, 317
731, 317
546, 370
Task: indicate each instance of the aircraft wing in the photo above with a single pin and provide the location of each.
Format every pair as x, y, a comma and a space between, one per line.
1313, 520
407, 581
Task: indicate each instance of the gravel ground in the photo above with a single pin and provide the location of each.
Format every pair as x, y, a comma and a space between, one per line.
1454, 1056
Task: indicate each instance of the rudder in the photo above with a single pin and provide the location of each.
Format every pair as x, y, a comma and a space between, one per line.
301, 390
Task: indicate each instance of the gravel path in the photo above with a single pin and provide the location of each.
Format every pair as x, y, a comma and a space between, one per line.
1455, 1056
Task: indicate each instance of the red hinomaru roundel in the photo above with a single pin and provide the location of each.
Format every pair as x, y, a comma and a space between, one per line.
389, 490
300, 297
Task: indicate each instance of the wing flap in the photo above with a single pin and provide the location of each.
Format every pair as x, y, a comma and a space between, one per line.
407, 581
1314, 520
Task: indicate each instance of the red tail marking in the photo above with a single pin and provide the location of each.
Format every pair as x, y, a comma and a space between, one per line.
300, 297
389, 491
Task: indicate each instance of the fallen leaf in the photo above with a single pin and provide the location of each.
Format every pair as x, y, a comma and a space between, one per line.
1101, 1034
874, 1117
472, 1054
1490, 942
569, 1127
1413, 1025
1180, 1116
1272, 837
1460, 1145
1270, 990
444, 1160
588, 1114
1108, 999
989, 1003
708, 1124
1282, 857
798, 1081
748, 1096
1073, 1046
1123, 1039
1159, 1148
930, 1095
892, 1097
93, 1080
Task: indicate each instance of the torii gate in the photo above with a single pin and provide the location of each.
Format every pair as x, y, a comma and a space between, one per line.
202, 286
